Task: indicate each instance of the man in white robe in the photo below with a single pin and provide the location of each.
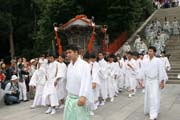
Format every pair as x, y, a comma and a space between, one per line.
162, 41
137, 65
166, 63
151, 37
159, 47
157, 22
141, 59
78, 86
152, 73
167, 27
137, 43
175, 26
130, 66
120, 71
50, 97
142, 47
103, 77
95, 81
126, 47
111, 78
61, 87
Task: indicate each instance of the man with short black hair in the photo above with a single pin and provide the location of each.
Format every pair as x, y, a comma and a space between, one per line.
153, 74
61, 87
50, 97
103, 77
131, 69
78, 86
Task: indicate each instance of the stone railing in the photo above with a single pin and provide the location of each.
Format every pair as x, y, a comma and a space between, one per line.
139, 30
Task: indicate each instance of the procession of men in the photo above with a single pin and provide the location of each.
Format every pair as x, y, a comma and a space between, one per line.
81, 84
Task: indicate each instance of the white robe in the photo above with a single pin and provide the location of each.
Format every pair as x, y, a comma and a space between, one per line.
159, 47
143, 48
152, 73
61, 87
151, 37
94, 79
120, 74
166, 63
167, 27
50, 91
79, 79
166, 66
126, 48
176, 27
138, 65
137, 44
103, 78
111, 81
131, 74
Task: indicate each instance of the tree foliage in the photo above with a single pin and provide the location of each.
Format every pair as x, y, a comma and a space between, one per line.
32, 20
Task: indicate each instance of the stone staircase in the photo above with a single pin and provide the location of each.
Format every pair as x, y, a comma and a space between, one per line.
173, 48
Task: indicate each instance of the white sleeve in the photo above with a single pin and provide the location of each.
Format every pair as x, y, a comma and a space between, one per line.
95, 74
162, 72
59, 71
168, 66
85, 81
102, 71
142, 71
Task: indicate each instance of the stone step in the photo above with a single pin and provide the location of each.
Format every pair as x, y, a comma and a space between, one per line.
174, 55
175, 67
173, 48
174, 61
175, 64
173, 42
175, 58
176, 81
173, 78
171, 55
170, 44
172, 75
171, 59
175, 38
176, 70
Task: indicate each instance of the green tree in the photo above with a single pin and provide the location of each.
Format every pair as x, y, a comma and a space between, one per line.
52, 11
18, 19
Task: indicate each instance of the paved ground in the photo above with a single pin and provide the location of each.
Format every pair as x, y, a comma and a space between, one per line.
123, 108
